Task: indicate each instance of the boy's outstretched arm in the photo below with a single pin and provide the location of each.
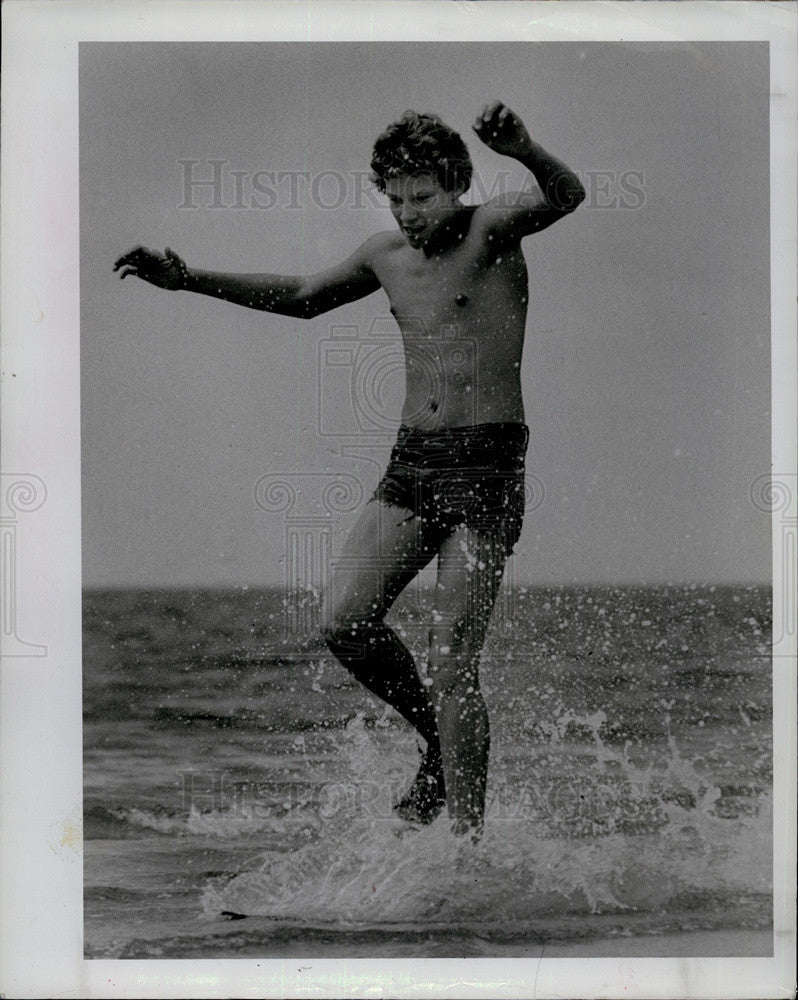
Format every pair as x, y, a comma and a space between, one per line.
519, 214
303, 296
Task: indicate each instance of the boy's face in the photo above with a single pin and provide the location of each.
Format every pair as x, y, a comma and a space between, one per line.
420, 205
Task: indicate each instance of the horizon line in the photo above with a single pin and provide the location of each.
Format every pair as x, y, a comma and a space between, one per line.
516, 585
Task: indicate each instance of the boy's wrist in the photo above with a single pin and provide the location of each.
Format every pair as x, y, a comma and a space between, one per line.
189, 283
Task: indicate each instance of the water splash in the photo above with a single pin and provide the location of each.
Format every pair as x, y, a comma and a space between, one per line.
651, 839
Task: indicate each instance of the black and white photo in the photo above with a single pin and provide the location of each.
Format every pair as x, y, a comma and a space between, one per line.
429, 421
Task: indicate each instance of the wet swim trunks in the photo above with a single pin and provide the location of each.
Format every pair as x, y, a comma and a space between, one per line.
460, 475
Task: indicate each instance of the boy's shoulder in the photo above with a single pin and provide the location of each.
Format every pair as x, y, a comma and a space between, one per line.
386, 241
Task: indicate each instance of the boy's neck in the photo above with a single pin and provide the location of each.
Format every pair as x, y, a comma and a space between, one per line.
450, 233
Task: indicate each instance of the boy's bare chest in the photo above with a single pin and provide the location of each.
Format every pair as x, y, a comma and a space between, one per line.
430, 287
467, 290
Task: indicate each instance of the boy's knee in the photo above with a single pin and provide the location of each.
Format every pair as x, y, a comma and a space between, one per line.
453, 692
452, 672
447, 643
328, 632
334, 630
341, 631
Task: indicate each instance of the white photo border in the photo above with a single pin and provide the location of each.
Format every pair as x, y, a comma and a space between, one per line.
41, 944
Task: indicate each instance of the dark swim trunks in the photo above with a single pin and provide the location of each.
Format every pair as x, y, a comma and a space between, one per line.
460, 475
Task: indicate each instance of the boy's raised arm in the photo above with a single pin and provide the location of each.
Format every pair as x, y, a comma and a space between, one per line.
522, 213
303, 296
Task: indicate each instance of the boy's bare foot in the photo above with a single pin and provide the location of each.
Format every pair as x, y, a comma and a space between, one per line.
426, 797
468, 832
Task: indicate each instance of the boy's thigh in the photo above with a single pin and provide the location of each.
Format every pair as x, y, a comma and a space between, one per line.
470, 570
381, 555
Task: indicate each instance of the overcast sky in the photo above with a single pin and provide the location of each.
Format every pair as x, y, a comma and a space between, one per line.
646, 367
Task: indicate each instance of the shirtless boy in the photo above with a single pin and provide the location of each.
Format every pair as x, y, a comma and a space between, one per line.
456, 281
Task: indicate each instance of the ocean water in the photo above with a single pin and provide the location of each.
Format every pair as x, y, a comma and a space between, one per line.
238, 783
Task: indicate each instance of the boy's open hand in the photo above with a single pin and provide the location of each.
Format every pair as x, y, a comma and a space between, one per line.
502, 130
165, 270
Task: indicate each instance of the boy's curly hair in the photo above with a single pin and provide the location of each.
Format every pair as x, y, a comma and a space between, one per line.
421, 143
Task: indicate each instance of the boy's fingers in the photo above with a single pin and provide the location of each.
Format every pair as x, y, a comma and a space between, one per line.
127, 271
491, 110
131, 257
492, 118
